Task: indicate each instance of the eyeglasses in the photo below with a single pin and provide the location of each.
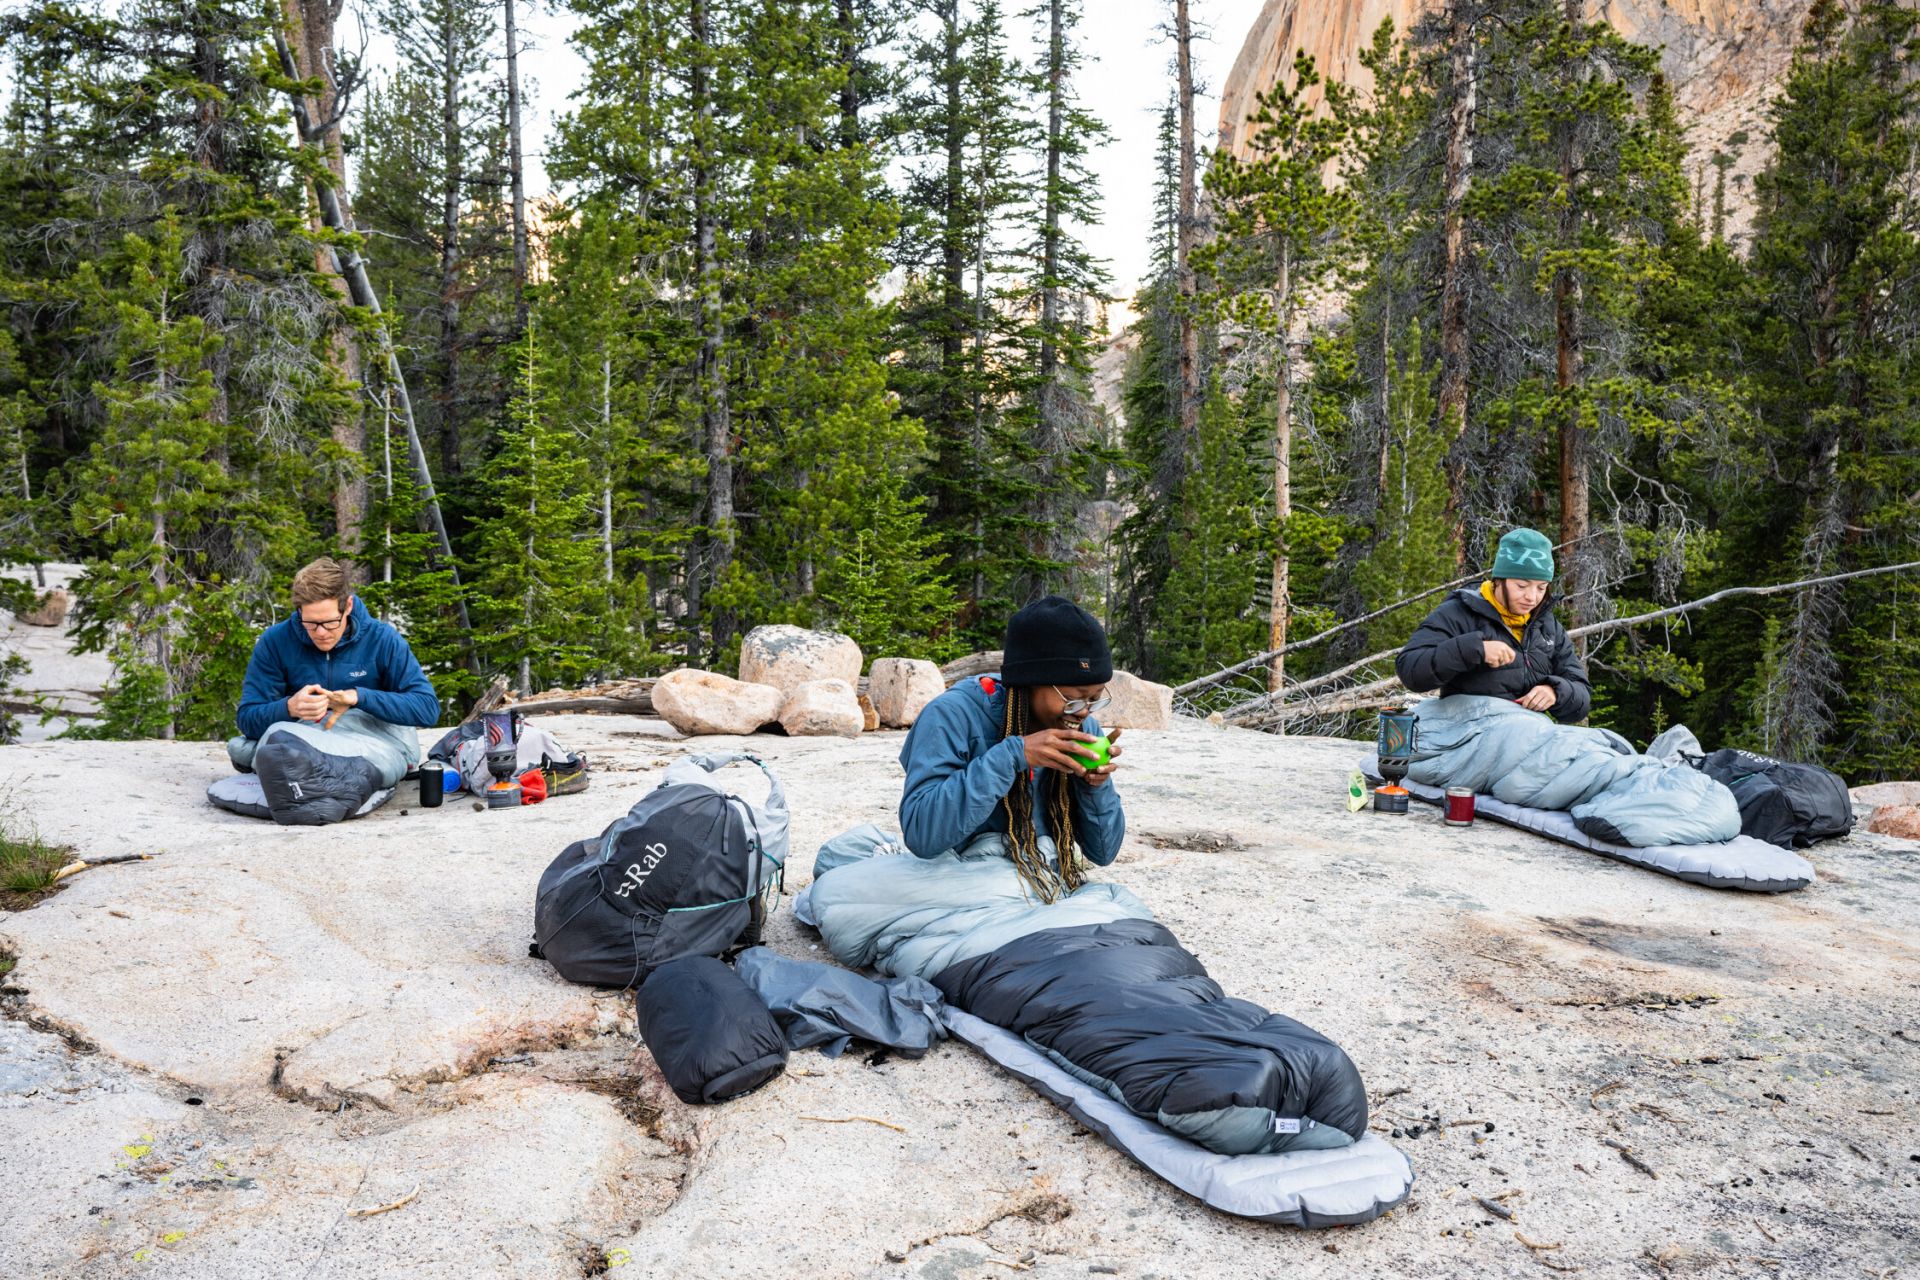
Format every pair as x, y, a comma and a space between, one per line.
1082, 706
325, 628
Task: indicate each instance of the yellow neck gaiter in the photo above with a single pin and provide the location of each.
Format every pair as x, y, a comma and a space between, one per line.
1516, 622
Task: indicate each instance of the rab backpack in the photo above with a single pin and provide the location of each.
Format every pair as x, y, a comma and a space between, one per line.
691, 870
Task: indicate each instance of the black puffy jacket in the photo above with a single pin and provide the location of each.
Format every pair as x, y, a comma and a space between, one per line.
1446, 654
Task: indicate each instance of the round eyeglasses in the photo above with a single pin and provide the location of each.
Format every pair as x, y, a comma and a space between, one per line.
1081, 706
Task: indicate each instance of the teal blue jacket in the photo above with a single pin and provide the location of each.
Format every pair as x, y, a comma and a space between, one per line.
960, 768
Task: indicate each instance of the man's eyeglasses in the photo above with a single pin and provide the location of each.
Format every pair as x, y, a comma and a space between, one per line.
324, 628
1082, 706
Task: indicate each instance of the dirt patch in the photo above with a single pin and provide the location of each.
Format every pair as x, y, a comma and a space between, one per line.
1671, 948
1194, 841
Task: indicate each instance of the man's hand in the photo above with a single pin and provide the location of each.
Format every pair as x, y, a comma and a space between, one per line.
1098, 777
309, 703
1539, 698
1047, 749
1496, 653
338, 700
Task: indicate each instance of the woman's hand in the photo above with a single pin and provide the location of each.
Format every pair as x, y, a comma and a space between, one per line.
1539, 698
1048, 749
1052, 749
1097, 777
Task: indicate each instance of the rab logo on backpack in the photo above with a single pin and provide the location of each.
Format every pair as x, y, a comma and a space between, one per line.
637, 872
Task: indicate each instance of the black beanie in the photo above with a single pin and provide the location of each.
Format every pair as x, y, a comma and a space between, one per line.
1055, 641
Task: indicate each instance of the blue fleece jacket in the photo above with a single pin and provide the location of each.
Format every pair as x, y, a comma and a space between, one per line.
372, 658
959, 769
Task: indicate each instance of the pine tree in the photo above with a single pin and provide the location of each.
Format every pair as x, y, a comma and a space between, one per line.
1064, 287
537, 588
1209, 618
1276, 217
1834, 253
160, 495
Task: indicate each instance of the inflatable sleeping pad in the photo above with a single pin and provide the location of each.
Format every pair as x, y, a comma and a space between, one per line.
1097, 1005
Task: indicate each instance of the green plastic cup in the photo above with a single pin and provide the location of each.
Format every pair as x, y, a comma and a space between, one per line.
1097, 754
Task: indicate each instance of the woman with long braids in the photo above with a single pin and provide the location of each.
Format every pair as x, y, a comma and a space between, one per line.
991, 756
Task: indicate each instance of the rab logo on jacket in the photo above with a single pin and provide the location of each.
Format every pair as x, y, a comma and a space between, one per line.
637, 872
355, 675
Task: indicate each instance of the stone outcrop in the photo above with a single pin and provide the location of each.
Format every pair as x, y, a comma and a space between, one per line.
287, 1029
51, 611
1901, 820
823, 708
699, 702
901, 689
788, 657
1724, 58
1137, 704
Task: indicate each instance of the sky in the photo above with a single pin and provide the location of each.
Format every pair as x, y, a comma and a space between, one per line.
1125, 82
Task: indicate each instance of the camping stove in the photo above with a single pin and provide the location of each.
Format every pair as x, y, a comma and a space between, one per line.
1395, 753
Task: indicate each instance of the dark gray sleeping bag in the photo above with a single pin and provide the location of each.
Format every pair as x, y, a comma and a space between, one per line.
709, 1033
1125, 1007
302, 775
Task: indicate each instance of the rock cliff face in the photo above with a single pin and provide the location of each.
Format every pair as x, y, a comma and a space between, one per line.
1724, 59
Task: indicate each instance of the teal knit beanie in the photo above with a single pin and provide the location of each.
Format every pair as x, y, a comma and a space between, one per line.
1524, 553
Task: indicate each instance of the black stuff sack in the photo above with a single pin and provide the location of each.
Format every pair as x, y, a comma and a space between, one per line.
707, 1030
1791, 805
691, 870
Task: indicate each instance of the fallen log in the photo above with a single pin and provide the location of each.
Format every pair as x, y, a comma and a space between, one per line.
617, 697
974, 664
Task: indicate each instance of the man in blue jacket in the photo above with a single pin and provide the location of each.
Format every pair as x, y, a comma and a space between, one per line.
329, 656
993, 754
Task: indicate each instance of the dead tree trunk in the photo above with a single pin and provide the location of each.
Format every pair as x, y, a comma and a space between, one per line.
1574, 446
310, 25
715, 420
353, 269
452, 179
1185, 234
1282, 469
517, 175
1455, 350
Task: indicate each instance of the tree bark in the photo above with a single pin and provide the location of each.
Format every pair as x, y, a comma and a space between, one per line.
517, 175
310, 24
1455, 352
847, 21
1574, 446
452, 179
1282, 471
715, 421
606, 469
353, 269
1186, 231
953, 226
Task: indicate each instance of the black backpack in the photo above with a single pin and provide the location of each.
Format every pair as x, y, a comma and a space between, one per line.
1791, 805
689, 871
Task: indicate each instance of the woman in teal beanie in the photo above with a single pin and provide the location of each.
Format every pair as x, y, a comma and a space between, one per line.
1502, 640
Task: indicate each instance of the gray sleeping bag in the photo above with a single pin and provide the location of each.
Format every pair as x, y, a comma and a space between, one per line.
303, 775
1612, 792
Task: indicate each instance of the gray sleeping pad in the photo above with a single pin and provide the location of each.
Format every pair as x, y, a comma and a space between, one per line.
1740, 863
1336, 1187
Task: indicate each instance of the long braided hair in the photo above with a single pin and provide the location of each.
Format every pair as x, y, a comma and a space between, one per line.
1023, 836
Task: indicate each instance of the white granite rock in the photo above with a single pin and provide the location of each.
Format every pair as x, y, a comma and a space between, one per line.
702, 702
901, 688
1137, 704
823, 708
788, 657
